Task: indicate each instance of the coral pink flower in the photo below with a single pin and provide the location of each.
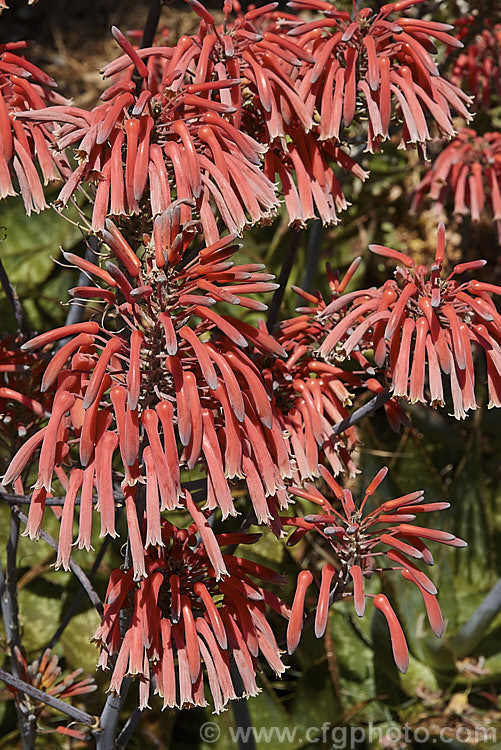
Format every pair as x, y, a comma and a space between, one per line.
359, 538
478, 68
174, 388
184, 622
209, 110
468, 170
371, 64
418, 321
24, 87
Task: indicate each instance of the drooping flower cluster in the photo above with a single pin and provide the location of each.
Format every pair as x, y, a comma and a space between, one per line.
193, 131
421, 321
379, 67
260, 98
186, 623
478, 67
25, 144
469, 171
173, 388
359, 542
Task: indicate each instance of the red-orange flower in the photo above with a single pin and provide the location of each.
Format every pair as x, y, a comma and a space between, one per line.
370, 64
479, 67
185, 623
209, 110
469, 171
172, 388
421, 320
359, 542
23, 145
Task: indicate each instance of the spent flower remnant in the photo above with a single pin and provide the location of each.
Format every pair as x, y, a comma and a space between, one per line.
187, 623
358, 542
420, 319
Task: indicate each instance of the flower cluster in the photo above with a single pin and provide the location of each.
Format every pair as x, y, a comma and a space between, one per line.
260, 98
379, 67
172, 389
45, 674
468, 170
420, 319
479, 67
192, 130
24, 87
186, 621
359, 543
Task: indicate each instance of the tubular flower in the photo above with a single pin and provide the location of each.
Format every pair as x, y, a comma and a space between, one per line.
478, 68
46, 675
184, 623
302, 337
24, 87
361, 541
198, 127
469, 169
174, 388
371, 65
421, 319
308, 398
21, 373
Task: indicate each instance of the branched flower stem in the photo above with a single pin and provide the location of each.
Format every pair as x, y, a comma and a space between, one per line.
74, 713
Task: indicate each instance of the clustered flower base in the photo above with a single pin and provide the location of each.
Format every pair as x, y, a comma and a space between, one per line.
169, 400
